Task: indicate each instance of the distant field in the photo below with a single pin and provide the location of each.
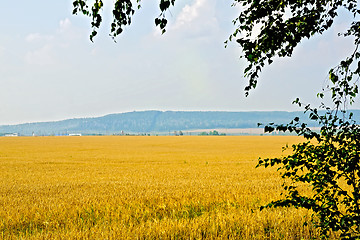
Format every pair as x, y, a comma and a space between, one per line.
143, 188
229, 131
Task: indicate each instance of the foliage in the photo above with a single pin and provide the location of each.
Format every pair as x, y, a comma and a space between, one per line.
283, 24
212, 133
328, 163
123, 11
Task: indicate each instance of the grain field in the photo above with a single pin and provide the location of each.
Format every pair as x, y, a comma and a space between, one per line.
124, 187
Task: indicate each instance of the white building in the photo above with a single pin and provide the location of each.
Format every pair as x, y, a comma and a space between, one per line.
11, 135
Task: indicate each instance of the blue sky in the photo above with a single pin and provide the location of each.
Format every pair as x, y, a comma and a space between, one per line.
49, 70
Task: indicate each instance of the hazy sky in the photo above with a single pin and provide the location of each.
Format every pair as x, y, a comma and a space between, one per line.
49, 69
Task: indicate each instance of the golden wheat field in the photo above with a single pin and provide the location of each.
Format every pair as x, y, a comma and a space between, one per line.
123, 187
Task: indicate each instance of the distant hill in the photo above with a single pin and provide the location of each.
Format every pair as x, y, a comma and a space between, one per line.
155, 122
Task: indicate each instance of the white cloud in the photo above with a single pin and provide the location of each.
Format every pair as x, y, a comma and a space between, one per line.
188, 14
64, 30
2, 50
37, 37
47, 48
94, 52
64, 25
33, 37
195, 20
67, 33
42, 57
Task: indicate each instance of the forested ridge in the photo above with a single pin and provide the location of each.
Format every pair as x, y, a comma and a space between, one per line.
155, 121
